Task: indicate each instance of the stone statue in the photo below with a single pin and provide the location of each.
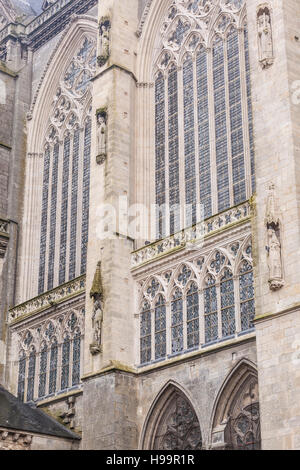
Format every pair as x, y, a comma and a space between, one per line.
273, 245
97, 318
101, 136
265, 40
104, 41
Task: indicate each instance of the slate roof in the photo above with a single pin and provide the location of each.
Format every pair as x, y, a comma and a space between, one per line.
19, 416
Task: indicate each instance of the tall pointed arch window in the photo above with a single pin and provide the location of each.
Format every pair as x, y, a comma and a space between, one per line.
246, 282
76, 358
177, 322
192, 316
65, 362
31, 374
203, 115
145, 333
43, 371
66, 174
160, 328
21, 376
53, 367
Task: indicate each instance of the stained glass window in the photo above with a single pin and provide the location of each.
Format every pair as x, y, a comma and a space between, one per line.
65, 363
192, 304
43, 371
177, 322
227, 304
53, 367
31, 375
66, 168
209, 139
160, 328
86, 193
220, 125
210, 310
174, 198
64, 211
76, 359
145, 334
21, 377
247, 296
189, 142
160, 154
203, 133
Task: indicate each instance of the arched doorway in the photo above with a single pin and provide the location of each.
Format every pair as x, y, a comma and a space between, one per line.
236, 423
172, 423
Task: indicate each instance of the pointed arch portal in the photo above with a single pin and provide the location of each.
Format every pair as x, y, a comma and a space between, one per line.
172, 423
236, 424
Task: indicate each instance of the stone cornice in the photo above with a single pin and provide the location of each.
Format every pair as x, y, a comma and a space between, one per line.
209, 228
270, 315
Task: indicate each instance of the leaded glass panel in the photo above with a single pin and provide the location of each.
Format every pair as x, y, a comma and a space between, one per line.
52, 237
86, 193
21, 377
65, 364
192, 304
227, 304
177, 322
145, 334
64, 211
31, 375
174, 198
76, 359
210, 310
53, 367
43, 242
247, 296
160, 328
43, 371
74, 205
160, 131
189, 142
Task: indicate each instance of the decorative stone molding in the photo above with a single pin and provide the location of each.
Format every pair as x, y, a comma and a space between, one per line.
206, 228
55, 296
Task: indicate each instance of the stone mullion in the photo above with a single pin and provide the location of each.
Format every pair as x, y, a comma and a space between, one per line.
228, 125
212, 132
245, 119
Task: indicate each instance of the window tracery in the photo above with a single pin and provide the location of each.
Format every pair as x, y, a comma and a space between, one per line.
206, 299
47, 349
203, 47
64, 228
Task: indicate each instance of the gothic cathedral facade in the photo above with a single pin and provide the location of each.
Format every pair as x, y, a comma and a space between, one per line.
150, 219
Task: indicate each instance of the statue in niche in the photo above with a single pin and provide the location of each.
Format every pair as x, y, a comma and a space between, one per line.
273, 244
265, 39
101, 136
104, 40
97, 318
